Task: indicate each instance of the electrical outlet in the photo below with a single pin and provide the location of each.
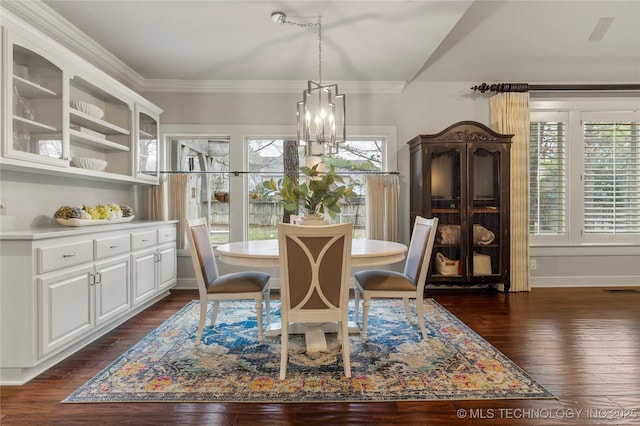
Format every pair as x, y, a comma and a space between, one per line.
534, 264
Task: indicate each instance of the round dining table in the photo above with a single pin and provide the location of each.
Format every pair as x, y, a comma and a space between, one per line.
264, 254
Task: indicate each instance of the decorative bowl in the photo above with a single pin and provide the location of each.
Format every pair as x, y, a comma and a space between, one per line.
87, 108
89, 163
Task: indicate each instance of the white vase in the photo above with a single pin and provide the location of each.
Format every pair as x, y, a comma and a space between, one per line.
313, 219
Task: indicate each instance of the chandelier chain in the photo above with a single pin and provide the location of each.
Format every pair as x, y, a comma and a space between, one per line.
284, 20
320, 50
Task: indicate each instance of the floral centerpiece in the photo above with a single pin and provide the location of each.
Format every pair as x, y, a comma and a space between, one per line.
72, 216
320, 194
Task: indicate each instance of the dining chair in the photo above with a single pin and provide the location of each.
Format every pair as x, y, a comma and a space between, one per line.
315, 263
213, 286
406, 285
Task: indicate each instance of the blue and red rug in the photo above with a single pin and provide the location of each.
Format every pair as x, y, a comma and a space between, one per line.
231, 365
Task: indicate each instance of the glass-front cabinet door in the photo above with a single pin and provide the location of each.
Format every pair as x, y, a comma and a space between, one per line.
484, 203
147, 158
34, 131
448, 193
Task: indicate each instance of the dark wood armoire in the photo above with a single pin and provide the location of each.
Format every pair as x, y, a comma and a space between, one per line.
461, 175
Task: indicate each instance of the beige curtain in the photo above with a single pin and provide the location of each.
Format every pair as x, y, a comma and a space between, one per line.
177, 205
510, 115
157, 202
168, 201
381, 197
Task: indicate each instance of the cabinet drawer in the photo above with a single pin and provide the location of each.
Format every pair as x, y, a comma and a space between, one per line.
141, 240
107, 247
58, 257
166, 235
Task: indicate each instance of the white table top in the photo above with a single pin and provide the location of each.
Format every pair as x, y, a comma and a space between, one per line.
264, 253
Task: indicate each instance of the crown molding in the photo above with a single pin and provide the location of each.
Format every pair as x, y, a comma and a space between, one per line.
267, 86
44, 19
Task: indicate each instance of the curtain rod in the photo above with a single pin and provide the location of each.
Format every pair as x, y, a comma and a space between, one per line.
525, 87
236, 172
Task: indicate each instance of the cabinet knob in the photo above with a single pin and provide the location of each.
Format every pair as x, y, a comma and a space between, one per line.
114, 246
69, 254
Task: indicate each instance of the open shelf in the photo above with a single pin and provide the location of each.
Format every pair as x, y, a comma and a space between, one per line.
78, 137
93, 123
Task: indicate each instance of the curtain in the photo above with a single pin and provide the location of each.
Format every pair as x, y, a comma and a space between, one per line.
157, 202
510, 115
168, 201
177, 205
381, 197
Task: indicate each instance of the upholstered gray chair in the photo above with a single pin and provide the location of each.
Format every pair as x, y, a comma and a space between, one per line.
212, 286
407, 285
315, 264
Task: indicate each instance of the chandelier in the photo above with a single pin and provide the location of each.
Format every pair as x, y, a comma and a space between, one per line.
321, 112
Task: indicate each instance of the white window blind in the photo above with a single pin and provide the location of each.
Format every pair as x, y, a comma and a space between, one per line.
611, 177
547, 177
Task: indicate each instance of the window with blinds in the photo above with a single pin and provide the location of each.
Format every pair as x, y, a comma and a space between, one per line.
611, 177
547, 178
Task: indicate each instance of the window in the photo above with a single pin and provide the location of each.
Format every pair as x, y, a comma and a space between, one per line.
250, 213
210, 197
547, 175
611, 177
266, 161
600, 201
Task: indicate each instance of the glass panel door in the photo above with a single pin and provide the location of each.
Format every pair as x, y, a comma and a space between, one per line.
147, 145
36, 109
485, 211
447, 204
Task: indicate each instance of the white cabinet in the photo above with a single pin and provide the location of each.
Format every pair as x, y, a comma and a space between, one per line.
111, 289
144, 275
153, 261
65, 306
63, 287
58, 108
167, 266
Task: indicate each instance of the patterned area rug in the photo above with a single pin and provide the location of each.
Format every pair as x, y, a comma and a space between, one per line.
232, 366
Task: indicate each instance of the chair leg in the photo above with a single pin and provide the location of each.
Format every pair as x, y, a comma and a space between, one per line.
420, 313
365, 316
356, 294
284, 354
203, 316
214, 314
259, 316
267, 295
407, 309
345, 348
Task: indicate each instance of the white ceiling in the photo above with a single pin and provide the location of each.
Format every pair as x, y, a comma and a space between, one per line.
383, 41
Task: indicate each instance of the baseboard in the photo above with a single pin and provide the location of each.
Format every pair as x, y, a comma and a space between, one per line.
604, 281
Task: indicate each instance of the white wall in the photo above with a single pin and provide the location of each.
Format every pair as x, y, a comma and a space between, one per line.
31, 199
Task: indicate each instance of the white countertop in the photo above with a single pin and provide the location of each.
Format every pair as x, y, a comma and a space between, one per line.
57, 230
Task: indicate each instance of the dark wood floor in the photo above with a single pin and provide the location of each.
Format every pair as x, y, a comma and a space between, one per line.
582, 344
